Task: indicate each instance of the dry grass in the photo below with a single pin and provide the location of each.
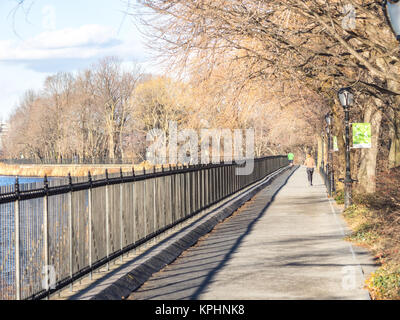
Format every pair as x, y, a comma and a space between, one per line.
375, 221
63, 170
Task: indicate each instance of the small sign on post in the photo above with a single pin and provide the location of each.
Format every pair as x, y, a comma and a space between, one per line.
361, 135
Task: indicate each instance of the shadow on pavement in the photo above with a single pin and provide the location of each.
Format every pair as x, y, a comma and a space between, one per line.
236, 244
195, 269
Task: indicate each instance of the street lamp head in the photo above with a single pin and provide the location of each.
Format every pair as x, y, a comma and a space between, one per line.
392, 13
346, 97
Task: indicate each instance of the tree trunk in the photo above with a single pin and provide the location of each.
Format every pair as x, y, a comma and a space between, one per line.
111, 145
367, 169
394, 154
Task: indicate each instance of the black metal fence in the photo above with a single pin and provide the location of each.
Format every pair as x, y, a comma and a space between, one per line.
53, 233
327, 180
72, 161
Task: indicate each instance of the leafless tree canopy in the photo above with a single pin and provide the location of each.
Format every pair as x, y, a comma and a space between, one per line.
314, 46
268, 64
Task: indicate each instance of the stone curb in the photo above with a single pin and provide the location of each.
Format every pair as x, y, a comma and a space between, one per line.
141, 269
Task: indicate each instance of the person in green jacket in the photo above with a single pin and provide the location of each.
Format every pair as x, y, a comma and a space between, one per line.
290, 158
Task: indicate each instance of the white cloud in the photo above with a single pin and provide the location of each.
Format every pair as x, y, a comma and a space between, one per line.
87, 35
85, 42
49, 52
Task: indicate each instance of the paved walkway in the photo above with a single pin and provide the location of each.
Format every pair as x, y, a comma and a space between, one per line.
286, 243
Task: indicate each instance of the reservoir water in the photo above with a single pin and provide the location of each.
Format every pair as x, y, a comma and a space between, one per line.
10, 180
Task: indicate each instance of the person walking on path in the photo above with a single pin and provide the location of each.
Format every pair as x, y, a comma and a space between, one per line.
290, 158
310, 164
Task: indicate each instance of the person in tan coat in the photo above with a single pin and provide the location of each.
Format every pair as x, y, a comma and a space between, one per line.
310, 165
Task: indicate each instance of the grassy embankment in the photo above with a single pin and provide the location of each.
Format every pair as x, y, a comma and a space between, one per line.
375, 222
63, 170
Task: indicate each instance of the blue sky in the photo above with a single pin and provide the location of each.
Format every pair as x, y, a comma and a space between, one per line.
48, 36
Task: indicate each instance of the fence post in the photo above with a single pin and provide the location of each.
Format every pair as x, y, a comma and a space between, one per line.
154, 205
70, 229
121, 213
207, 186
235, 177
223, 179
212, 186
203, 186
177, 194
190, 189
164, 197
182, 191
17, 242
230, 189
134, 207
144, 207
90, 223
46, 233
219, 175
171, 196
199, 191
107, 222
185, 190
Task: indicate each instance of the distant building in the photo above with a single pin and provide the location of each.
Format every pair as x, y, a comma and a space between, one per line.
3, 132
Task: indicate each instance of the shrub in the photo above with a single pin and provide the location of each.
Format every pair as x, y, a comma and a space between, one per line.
339, 197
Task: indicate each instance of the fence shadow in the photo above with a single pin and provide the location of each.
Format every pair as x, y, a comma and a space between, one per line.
239, 240
188, 277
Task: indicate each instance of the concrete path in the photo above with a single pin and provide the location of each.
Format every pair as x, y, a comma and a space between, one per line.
286, 243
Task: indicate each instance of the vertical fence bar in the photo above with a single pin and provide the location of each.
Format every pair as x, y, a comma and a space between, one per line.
199, 191
144, 207
70, 231
224, 182
121, 212
164, 196
203, 187
190, 191
212, 186
182, 186
46, 235
185, 197
180, 194
154, 205
227, 175
134, 206
219, 182
90, 223
200, 188
206, 185
17, 244
235, 177
107, 222
171, 200
230, 179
